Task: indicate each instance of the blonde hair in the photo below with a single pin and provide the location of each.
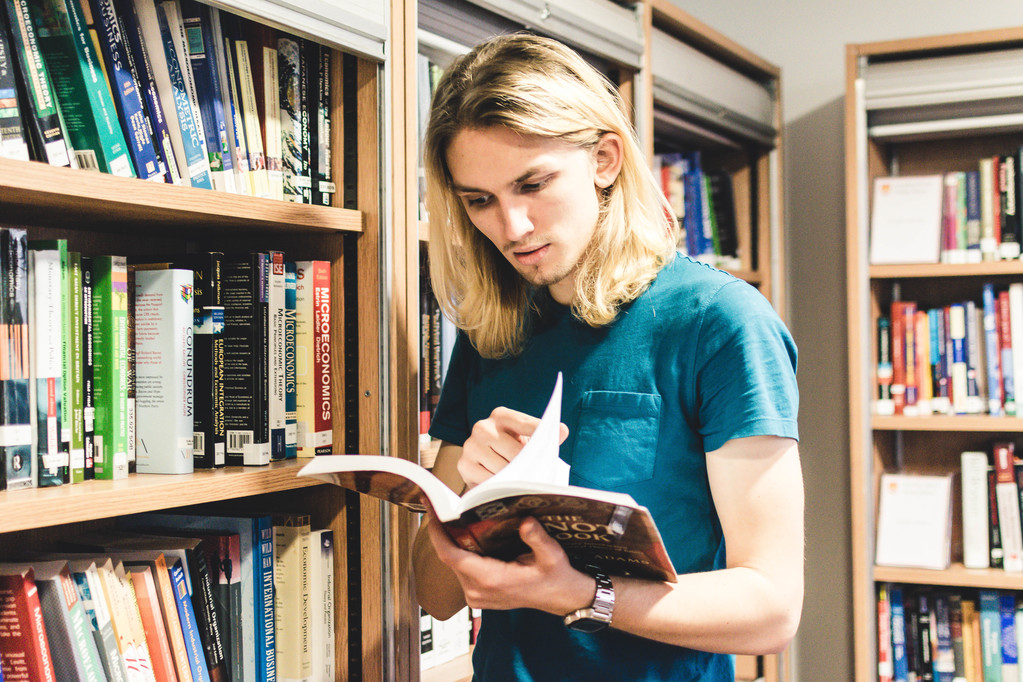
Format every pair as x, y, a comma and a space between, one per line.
537, 87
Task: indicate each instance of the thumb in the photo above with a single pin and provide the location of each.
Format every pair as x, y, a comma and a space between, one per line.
533, 534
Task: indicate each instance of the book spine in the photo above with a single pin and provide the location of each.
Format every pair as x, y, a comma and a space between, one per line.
291, 598
260, 179
210, 442
990, 634
959, 374
13, 133
90, 592
290, 406
24, 649
320, 122
77, 389
1009, 208
900, 663
885, 669
88, 385
293, 161
236, 128
197, 27
164, 370
157, 639
266, 645
46, 133
47, 332
976, 552
244, 359
186, 615
1007, 496
321, 581
127, 94
171, 620
277, 404
312, 377
1005, 353
944, 657
110, 361
263, 51
218, 47
15, 373
991, 352
204, 604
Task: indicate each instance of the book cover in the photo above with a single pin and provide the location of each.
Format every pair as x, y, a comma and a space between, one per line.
313, 385
139, 64
245, 291
151, 615
24, 645
45, 129
13, 134
277, 406
294, 164
15, 370
83, 94
127, 92
291, 596
914, 522
74, 650
89, 587
606, 529
321, 603
905, 223
110, 361
46, 340
290, 385
164, 371
196, 20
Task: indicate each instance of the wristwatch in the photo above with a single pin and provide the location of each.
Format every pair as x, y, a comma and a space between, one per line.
597, 616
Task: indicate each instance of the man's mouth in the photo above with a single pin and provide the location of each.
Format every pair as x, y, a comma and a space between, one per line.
531, 255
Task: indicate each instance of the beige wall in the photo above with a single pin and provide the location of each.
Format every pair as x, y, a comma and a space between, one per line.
807, 40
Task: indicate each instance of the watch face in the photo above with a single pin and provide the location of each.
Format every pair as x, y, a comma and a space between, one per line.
588, 625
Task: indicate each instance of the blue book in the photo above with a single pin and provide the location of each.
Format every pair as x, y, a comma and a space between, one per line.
944, 658
939, 379
141, 67
900, 663
972, 181
1010, 654
994, 384
990, 634
290, 366
199, 29
186, 613
692, 180
127, 94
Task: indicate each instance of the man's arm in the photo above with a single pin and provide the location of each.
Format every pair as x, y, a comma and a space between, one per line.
750, 607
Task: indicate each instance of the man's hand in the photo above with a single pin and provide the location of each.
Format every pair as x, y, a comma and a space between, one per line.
494, 442
542, 579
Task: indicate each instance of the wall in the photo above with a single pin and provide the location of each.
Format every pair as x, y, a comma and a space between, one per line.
807, 39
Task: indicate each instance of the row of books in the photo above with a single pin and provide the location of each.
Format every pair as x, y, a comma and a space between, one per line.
943, 635
954, 217
160, 365
174, 597
960, 358
436, 340
428, 74
704, 204
992, 506
167, 90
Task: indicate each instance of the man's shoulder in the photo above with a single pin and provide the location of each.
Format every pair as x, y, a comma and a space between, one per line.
684, 275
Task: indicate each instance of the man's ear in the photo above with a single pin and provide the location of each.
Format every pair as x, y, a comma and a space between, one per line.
609, 156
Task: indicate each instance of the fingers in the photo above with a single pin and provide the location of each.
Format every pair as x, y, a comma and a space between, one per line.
493, 443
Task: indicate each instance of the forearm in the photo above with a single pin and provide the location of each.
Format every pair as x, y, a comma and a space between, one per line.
437, 589
736, 610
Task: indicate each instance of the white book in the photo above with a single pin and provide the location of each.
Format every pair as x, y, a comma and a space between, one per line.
163, 371
1016, 335
321, 589
46, 360
258, 176
291, 598
1007, 500
976, 547
914, 521
278, 409
905, 220
272, 121
960, 368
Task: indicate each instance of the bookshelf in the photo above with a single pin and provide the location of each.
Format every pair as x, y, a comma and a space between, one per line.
101, 214
739, 131
947, 121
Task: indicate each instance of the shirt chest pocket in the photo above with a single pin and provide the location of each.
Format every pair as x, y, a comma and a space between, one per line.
616, 441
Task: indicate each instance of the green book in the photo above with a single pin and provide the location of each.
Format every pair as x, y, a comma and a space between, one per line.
110, 361
76, 385
83, 94
66, 373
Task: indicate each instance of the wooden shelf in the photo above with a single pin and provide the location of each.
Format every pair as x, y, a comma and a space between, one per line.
989, 269
36, 193
980, 423
35, 508
955, 576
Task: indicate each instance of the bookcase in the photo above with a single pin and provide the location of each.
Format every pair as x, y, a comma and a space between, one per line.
915, 107
687, 86
102, 214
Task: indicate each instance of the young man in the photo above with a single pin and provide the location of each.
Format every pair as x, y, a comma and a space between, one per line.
551, 250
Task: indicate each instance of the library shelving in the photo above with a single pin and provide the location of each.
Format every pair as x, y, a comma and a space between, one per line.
102, 214
720, 99
930, 105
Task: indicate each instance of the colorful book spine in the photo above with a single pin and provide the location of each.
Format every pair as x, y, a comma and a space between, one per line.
263, 62
186, 614
233, 107
46, 132
110, 361
252, 124
76, 411
294, 164
83, 96
290, 386
990, 634
291, 597
47, 295
15, 371
277, 407
210, 434
164, 370
88, 375
127, 93
91, 593
13, 134
320, 64
900, 662
313, 384
24, 646
75, 654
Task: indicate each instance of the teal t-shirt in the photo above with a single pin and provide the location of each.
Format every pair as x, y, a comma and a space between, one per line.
699, 359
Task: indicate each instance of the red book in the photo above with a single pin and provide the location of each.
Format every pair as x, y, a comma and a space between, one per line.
1005, 352
899, 356
314, 384
24, 648
157, 640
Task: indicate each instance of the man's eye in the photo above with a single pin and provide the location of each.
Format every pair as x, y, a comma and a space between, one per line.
534, 186
476, 202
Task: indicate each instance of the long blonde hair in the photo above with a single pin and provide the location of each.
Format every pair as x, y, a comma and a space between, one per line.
537, 87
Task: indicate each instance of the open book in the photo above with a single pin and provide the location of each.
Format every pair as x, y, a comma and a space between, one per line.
595, 527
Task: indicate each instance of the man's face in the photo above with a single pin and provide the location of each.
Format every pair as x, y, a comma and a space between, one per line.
536, 199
